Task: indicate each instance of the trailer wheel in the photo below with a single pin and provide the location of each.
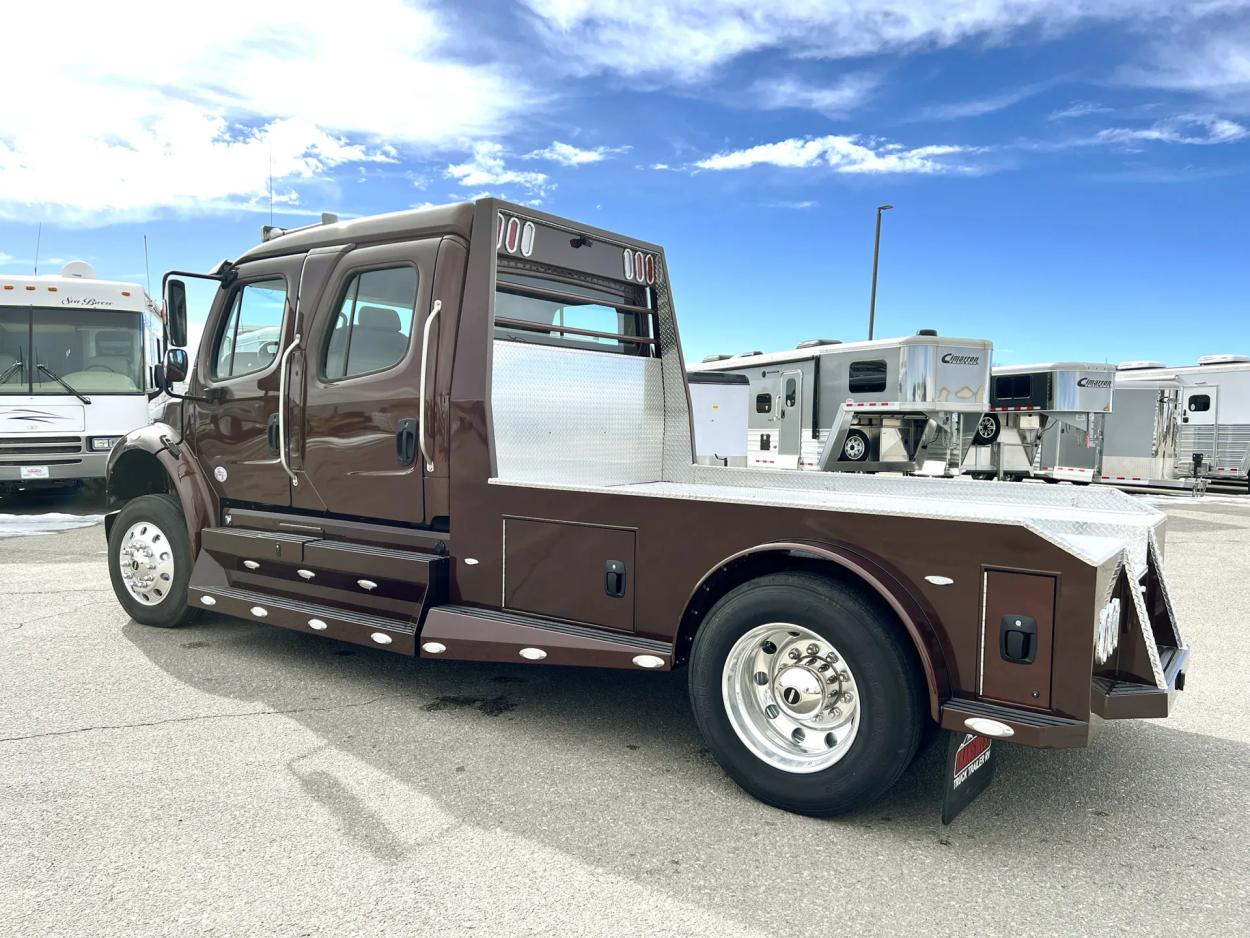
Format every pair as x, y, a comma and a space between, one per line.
988, 428
150, 561
807, 694
855, 448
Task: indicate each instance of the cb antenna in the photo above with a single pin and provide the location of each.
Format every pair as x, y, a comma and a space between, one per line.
38, 238
270, 185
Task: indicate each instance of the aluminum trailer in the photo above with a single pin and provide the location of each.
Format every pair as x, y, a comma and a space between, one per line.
1045, 421
907, 404
718, 413
1140, 436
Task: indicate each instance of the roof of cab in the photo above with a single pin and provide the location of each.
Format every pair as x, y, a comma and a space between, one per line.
456, 218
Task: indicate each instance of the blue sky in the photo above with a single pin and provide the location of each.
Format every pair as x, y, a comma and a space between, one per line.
1071, 178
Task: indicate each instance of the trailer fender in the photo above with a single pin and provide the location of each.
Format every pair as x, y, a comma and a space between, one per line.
849, 566
153, 459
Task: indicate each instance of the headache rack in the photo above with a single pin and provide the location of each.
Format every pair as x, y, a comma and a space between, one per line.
644, 316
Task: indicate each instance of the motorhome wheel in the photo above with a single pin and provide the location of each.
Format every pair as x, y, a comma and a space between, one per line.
807, 693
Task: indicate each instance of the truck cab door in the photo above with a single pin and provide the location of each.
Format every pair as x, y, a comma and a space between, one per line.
359, 449
237, 370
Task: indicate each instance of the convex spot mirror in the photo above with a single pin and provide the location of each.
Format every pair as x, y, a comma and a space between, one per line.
175, 365
176, 315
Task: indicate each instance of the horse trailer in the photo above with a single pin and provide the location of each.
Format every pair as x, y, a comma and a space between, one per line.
907, 404
1045, 421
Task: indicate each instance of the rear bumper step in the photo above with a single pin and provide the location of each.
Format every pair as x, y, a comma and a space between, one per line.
359, 628
1028, 727
1128, 700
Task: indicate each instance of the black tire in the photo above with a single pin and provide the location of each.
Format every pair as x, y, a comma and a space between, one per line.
887, 674
860, 446
989, 426
166, 514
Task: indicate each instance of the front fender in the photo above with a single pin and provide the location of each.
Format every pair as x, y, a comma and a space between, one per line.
152, 459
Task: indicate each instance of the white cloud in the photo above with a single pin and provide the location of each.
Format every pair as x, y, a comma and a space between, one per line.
1214, 63
486, 167
843, 154
1078, 109
568, 155
683, 40
145, 106
978, 107
799, 204
834, 98
1196, 129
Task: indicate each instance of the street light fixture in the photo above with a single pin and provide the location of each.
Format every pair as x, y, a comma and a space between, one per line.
876, 253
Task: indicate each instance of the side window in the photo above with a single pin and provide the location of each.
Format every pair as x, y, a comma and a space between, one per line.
1199, 403
373, 327
252, 333
792, 392
868, 376
1013, 387
763, 403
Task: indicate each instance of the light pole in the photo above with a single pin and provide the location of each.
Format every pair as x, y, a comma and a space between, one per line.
876, 253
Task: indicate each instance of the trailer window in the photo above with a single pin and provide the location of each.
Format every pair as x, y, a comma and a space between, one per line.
252, 333
1013, 387
763, 403
867, 377
373, 327
574, 315
1199, 403
792, 392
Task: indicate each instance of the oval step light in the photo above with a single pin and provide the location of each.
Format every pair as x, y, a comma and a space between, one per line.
433, 648
260, 612
649, 661
989, 727
208, 601
939, 580
317, 625
381, 638
532, 654
251, 564
366, 584
306, 574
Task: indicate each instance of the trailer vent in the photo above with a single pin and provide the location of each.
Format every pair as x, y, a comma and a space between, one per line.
1223, 359
1138, 365
926, 332
814, 343
715, 358
749, 354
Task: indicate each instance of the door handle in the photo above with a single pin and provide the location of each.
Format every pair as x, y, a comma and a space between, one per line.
425, 357
406, 442
614, 578
271, 431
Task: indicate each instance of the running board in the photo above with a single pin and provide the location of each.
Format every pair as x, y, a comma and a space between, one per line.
470, 634
359, 628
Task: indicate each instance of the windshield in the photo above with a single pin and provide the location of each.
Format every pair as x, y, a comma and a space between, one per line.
94, 351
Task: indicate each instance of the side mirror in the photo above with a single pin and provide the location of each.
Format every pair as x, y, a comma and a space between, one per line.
175, 366
176, 313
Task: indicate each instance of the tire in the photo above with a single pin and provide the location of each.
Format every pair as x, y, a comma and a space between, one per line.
987, 431
883, 724
855, 447
144, 526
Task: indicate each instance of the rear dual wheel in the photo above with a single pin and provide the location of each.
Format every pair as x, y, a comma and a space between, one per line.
807, 693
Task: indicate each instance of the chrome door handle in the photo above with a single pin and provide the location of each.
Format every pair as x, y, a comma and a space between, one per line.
425, 356
282, 408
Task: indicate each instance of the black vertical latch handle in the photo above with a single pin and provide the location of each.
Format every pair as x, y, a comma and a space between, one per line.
406, 442
614, 578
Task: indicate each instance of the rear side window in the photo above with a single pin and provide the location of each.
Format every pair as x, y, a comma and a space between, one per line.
868, 377
1199, 403
373, 326
252, 334
1013, 387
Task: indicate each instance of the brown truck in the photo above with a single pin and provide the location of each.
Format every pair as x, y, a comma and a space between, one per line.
464, 432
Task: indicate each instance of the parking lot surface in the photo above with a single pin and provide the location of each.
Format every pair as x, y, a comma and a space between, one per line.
230, 778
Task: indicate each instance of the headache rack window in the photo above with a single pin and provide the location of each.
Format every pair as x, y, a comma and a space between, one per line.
550, 311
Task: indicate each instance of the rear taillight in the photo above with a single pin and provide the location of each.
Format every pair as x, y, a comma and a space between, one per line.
640, 267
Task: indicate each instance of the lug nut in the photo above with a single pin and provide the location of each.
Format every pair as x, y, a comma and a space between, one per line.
812, 650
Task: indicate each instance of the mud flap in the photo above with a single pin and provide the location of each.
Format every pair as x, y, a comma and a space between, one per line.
969, 771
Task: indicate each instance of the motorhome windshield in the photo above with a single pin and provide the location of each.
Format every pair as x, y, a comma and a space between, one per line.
94, 351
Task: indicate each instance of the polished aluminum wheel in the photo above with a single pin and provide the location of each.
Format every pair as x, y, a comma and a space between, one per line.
855, 448
146, 561
790, 697
987, 427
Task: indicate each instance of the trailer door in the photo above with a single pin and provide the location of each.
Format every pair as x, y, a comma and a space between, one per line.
1198, 419
790, 413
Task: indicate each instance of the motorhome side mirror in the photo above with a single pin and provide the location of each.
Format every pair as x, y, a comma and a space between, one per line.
176, 312
175, 366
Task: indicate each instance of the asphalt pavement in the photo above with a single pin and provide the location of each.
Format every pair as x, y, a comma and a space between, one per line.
229, 778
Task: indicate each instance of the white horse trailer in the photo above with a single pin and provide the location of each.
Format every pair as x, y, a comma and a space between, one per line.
718, 412
1045, 421
906, 405
1140, 436
1210, 416
75, 375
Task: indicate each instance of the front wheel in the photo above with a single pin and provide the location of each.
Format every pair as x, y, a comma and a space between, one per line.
807, 693
150, 561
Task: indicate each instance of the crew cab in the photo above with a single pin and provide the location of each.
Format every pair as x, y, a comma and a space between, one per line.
464, 432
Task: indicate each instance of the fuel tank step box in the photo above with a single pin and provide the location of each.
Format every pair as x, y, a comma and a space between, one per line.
396, 635
255, 545
367, 560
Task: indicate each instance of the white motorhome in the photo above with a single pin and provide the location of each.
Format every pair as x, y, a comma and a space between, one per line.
1045, 421
1201, 420
75, 372
906, 404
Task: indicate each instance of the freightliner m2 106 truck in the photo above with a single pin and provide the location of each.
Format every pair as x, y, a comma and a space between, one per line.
464, 432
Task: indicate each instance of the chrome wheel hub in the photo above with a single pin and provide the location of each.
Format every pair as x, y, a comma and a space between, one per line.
146, 561
987, 427
790, 697
854, 447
